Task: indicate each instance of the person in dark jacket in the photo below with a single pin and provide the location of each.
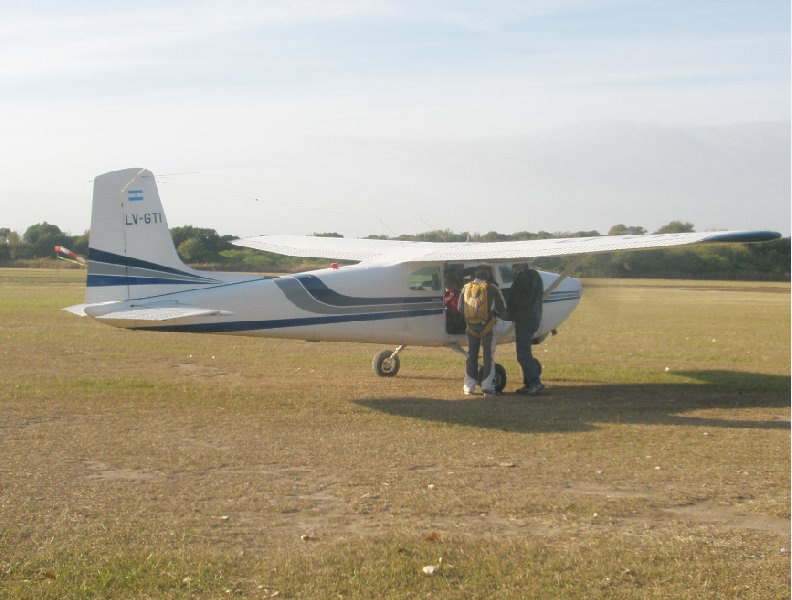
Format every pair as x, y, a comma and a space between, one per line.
525, 309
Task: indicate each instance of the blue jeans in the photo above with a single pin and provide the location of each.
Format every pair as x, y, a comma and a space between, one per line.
487, 345
523, 339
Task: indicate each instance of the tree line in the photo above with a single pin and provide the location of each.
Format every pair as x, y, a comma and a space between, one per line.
205, 248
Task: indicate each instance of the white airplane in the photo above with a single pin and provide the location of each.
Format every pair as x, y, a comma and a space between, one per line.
393, 295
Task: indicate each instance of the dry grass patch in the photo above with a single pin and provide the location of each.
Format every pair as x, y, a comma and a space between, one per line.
169, 465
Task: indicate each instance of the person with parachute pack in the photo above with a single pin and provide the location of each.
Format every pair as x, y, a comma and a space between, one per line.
480, 302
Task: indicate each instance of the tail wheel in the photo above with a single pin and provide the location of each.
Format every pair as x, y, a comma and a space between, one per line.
500, 376
385, 364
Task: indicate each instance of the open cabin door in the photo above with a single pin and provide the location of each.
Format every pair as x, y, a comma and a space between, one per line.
455, 276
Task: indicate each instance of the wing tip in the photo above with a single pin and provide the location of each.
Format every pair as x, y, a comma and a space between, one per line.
744, 237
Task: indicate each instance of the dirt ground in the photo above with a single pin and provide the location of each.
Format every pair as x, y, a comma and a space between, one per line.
113, 439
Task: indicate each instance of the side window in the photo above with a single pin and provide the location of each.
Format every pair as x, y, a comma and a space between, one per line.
427, 278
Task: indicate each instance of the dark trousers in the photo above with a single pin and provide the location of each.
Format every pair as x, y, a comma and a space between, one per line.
487, 345
523, 339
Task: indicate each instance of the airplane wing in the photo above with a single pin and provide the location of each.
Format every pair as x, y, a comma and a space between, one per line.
310, 246
393, 251
109, 311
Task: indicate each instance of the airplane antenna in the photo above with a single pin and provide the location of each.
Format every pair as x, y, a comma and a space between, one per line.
385, 225
176, 174
431, 228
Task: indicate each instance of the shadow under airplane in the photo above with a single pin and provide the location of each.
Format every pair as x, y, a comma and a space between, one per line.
568, 408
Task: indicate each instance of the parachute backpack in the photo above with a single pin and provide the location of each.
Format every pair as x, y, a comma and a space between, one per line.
475, 302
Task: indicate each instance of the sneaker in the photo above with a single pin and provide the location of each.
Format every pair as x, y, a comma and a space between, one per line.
491, 393
467, 392
535, 389
523, 390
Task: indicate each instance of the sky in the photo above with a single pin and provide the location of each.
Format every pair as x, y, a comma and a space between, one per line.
394, 117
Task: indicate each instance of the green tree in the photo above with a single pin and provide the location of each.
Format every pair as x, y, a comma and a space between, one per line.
626, 230
190, 250
493, 236
80, 244
676, 227
199, 244
42, 237
437, 235
5, 246
35, 232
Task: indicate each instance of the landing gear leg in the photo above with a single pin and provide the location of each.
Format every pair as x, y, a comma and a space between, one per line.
386, 363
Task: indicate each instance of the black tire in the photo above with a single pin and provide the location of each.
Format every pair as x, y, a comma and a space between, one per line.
500, 376
385, 366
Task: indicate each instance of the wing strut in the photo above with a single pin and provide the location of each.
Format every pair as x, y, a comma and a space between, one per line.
564, 274
457, 348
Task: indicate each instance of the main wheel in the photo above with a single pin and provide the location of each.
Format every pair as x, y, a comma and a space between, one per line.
385, 365
500, 376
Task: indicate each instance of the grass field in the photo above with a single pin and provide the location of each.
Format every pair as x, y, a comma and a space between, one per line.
146, 465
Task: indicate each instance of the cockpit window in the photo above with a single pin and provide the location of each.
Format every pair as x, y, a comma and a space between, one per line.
427, 278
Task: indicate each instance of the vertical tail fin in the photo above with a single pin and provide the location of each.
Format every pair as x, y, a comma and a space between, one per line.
131, 252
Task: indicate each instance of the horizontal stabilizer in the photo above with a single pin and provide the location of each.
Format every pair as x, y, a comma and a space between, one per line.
120, 311
77, 309
160, 313
93, 310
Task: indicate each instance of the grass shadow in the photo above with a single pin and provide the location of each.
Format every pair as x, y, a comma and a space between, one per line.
569, 408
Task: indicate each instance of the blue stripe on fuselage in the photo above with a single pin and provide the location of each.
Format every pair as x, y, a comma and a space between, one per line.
237, 326
561, 297
105, 280
319, 290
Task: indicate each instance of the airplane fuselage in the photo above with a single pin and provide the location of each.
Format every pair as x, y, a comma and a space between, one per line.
391, 304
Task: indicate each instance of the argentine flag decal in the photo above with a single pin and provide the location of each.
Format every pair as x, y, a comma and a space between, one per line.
135, 195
